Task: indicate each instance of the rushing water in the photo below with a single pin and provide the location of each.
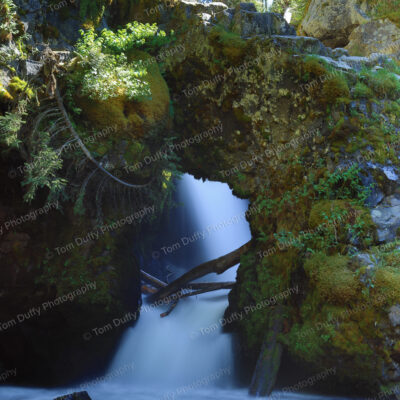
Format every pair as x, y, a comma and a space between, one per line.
184, 355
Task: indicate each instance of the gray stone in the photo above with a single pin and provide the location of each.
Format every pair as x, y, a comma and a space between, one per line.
338, 64
302, 44
32, 68
248, 7
387, 218
380, 36
5, 77
332, 21
370, 262
339, 52
367, 260
394, 315
250, 23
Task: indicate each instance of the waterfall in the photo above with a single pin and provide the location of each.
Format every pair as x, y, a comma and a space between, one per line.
184, 356
188, 345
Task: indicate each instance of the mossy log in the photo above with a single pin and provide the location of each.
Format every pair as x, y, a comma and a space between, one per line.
269, 360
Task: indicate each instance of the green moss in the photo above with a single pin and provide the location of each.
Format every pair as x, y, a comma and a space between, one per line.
231, 43
18, 86
381, 9
335, 89
387, 279
314, 67
127, 115
384, 83
5, 97
362, 91
332, 277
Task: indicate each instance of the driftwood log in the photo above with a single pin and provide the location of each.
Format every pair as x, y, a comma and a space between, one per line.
218, 266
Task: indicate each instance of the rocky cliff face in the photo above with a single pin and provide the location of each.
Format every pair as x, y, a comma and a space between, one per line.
309, 135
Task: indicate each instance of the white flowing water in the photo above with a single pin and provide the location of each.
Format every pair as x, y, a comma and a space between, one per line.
187, 347
184, 355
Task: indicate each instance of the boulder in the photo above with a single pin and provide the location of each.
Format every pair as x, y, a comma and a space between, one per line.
75, 396
380, 36
332, 21
247, 23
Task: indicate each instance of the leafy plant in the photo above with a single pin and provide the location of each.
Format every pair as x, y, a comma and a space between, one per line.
10, 125
107, 72
42, 171
342, 184
8, 20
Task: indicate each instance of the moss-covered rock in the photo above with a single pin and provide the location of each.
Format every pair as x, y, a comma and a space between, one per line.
132, 119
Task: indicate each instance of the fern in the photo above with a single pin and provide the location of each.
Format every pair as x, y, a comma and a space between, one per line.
42, 171
10, 125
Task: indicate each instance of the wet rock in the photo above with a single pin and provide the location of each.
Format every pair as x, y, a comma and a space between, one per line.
380, 36
332, 21
387, 218
75, 396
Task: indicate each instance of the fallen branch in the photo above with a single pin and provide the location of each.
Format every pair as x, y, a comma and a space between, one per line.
169, 311
152, 279
210, 286
219, 265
